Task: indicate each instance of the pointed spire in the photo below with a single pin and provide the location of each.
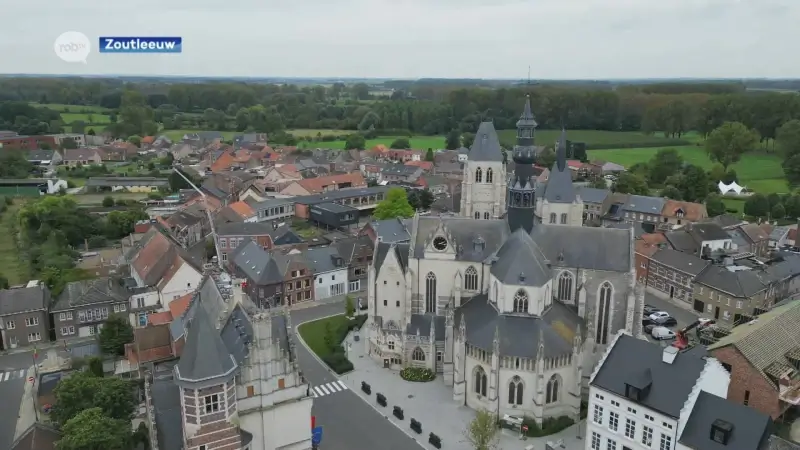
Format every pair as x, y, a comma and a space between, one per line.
526, 119
541, 343
561, 153
449, 314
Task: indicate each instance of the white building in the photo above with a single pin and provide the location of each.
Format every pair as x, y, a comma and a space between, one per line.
237, 384
511, 313
642, 395
330, 272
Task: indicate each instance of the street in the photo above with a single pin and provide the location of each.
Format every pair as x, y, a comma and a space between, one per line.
12, 384
348, 422
683, 316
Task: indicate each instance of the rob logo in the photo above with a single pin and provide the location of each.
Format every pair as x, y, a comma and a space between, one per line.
72, 46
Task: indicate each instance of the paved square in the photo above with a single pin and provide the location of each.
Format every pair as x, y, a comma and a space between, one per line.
432, 404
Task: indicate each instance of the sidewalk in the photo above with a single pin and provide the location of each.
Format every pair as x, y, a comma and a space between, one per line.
27, 409
432, 404
329, 300
58, 345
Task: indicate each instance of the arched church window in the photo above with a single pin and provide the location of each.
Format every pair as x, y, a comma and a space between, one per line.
471, 279
430, 293
486, 215
515, 391
477, 215
565, 286
489, 175
480, 381
552, 217
552, 389
521, 301
418, 355
563, 218
604, 312
478, 175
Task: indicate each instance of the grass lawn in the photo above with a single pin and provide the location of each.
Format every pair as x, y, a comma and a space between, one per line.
596, 137
12, 266
95, 118
177, 135
760, 172
313, 333
73, 108
312, 133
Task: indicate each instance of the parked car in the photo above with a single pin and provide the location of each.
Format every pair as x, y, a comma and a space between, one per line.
659, 316
668, 322
650, 309
649, 328
662, 333
646, 321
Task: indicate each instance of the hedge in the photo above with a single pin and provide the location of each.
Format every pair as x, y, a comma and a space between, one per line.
417, 374
337, 359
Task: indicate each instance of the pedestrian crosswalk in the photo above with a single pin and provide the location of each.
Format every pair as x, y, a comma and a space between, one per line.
11, 374
328, 388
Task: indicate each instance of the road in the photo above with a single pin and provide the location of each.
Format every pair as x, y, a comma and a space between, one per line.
13, 369
683, 316
348, 422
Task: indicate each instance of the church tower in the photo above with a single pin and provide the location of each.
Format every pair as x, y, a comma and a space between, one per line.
522, 188
483, 187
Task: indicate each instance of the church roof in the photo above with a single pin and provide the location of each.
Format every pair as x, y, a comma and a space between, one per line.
585, 247
486, 146
521, 262
463, 230
205, 356
527, 119
519, 335
559, 188
383, 250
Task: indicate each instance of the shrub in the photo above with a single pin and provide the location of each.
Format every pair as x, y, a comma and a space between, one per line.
398, 412
381, 399
551, 425
417, 374
416, 426
365, 387
338, 362
435, 440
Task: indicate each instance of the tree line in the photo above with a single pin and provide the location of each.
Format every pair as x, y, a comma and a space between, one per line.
671, 108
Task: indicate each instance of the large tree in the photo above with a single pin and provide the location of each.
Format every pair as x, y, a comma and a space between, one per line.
788, 143
91, 429
714, 205
394, 205
453, 140
116, 332
628, 183
666, 162
729, 142
83, 390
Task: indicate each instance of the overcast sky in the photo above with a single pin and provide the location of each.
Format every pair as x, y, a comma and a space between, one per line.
558, 39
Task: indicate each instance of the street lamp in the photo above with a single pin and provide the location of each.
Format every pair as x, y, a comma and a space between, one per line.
208, 213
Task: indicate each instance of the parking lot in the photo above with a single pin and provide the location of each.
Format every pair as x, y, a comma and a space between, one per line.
683, 316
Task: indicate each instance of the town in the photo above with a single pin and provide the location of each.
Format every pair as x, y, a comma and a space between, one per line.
499, 281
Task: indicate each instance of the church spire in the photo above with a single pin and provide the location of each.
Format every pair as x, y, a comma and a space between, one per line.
561, 153
522, 190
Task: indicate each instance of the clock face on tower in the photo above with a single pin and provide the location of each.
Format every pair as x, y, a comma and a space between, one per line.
440, 243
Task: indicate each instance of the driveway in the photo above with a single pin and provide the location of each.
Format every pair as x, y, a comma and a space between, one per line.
348, 423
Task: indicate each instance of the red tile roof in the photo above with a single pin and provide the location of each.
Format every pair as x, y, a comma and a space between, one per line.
425, 165
160, 318
242, 209
316, 185
178, 307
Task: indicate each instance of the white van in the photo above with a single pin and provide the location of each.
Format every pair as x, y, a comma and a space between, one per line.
662, 333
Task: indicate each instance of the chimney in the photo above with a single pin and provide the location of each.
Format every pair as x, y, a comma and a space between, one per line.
721, 431
669, 355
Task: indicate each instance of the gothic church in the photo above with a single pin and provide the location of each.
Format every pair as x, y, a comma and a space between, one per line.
510, 312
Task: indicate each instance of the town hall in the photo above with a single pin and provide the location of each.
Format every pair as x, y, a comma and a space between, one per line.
512, 313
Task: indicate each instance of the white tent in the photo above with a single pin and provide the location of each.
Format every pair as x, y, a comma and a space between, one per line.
726, 188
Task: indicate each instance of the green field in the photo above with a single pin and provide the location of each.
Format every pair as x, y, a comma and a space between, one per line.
417, 143
313, 133
590, 137
97, 199
68, 118
74, 108
758, 171
177, 135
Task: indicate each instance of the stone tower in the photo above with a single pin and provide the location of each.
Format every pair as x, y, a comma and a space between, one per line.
483, 188
522, 188
206, 377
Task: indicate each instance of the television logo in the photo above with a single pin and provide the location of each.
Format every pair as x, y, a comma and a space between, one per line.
72, 46
141, 44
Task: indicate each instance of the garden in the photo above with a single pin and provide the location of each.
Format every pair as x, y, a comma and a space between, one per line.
417, 374
324, 337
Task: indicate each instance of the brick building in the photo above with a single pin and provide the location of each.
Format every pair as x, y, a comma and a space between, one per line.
763, 357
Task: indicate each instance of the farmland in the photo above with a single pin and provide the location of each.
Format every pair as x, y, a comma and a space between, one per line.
74, 108
758, 171
591, 137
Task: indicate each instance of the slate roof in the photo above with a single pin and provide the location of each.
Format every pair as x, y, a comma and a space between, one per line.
244, 229
644, 204
708, 232
392, 230
421, 323
259, 265
166, 397
519, 335
681, 261
349, 247
399, 170
463, 231
37, 437
630, 360
323, 259
593, 195
610, 248
559, 188
739, 284
340, 194
521, 262
204, 355
18, 300
778, 233
751, 428
768, 339
90, 292
40, 155
383, 248
486, 146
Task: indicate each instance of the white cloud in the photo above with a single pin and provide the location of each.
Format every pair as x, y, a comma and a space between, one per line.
416, 38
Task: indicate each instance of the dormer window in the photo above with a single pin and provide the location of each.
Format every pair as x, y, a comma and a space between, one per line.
721, 431
632, 392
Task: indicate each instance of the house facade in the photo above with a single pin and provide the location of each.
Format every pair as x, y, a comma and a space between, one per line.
82, 308
672, 273
24, 318
330, 272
